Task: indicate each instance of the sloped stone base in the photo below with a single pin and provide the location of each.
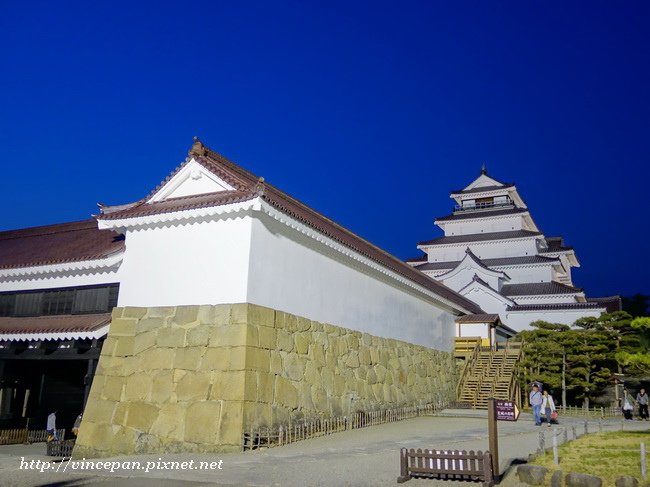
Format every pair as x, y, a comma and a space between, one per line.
194, 378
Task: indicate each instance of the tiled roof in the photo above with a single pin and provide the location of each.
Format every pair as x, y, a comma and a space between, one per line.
556, 244
478, 318
500, 262
468, 214
551, 307
482, 190
180, 204
249, 186
480, 237
53, 324
421, 258
55, 244
611, 303
536, 288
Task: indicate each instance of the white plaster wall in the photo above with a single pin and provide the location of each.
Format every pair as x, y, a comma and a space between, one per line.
520, 320
59, 281
463, 277
483, 250
488, 302
465, 227
202, 263
291, 272
473, 330
545, 299
528, 274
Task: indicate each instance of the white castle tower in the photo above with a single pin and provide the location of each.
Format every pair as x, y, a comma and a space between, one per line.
493, 253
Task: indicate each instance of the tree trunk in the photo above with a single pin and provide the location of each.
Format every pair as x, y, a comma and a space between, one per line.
586, 400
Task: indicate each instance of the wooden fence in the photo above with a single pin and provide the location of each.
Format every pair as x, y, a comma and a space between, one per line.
284, 434
60, 448
596, 412
22, 435
446, 465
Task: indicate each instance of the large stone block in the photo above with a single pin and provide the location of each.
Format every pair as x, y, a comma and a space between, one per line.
294, 367
123, 327
144, 341
258, 359
157, 358
216, 359
188, 358
193, 386
162, 387
199, 336
133, 312
267, 336
149, 324
99, 411
265, 384
229, 386
302, 342
123, 346
229, 335
261, 316
232, 423
124, 440
203, 422
112, 388
173, 337
138, 387
141, 416
185, 315
170, 423
285, 341
286, 393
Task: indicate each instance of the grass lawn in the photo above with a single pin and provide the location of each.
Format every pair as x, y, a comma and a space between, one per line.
607, 455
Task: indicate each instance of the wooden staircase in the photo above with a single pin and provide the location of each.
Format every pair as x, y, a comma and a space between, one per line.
488, 373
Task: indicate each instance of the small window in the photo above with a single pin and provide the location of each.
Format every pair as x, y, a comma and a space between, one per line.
7, 304
28, 304
91, 300
58, 302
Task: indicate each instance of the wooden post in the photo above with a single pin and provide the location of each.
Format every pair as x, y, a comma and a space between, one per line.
493, 436
644, 471
403, 466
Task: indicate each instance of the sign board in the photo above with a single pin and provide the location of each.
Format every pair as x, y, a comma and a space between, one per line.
506, 410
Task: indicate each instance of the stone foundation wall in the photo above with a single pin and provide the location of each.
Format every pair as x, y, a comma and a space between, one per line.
194, 378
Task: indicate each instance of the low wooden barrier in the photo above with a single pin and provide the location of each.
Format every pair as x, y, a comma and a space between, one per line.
446, 465
13, 436
60, 448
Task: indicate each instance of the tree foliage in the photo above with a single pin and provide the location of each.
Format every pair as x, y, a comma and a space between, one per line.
579, 360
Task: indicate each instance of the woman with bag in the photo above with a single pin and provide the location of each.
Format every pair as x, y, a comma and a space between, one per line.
548, 406
628, 402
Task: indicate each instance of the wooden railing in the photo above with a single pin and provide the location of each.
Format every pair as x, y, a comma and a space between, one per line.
22, 435
264, 437
446, 465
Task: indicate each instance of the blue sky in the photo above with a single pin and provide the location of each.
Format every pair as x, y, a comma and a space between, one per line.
370, 112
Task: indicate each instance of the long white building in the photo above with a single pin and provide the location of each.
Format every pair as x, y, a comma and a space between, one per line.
493, 253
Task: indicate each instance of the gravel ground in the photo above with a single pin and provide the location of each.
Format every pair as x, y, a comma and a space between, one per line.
364, 457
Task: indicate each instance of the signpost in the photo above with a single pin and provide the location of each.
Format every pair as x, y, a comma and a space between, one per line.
498, 410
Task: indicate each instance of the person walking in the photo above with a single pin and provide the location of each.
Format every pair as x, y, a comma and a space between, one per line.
52, 434
76, 426
535, 399
628, 405
548, 406
642, 399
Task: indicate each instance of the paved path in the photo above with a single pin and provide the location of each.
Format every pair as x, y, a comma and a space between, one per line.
365, 457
